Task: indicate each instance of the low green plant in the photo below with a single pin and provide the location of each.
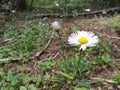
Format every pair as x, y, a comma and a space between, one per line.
74, 69
17, 79
30, 87
23, 42
104, 59
115, 22
117, 78
81, 89
10, 80
47, 65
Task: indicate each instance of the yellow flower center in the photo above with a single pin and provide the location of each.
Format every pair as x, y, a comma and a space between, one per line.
83, 40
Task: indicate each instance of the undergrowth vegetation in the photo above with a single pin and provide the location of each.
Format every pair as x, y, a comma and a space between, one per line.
73, 69
19, 44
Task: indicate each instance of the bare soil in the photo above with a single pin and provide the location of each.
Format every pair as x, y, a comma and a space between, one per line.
91, 24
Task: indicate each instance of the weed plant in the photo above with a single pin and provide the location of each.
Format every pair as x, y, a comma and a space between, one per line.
21, 43
73, 71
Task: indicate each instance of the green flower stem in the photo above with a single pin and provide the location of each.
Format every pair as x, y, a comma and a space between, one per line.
81, 54
58, 32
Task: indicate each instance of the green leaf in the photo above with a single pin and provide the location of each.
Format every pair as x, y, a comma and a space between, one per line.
81, 89
1, 72
46, 65
26, 79
84, 84
32, 87
66, 75
23, 88
107, 58
117, 77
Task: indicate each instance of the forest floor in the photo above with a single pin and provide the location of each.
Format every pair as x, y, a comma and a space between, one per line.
26, 62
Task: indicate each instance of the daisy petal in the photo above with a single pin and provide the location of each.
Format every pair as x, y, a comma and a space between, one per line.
83, 38
83, 47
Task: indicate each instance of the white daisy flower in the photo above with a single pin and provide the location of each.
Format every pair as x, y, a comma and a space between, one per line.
57, 4
56, 25
87, 10
13, 11
83, 38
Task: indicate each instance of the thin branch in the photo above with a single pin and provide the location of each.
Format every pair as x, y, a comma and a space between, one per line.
35, 65
36, 69
79, 14
46, 46
116, 47
117, 59
1, 47
9, 59
110, 36
105, 80
52, 58
5, 59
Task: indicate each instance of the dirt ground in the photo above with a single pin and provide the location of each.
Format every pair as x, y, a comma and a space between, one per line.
97, 25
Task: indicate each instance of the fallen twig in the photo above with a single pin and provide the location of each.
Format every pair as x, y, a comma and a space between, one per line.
112, 43
116, 47
104, 80
5, 59
35, 65
1, 47
52, 58
110, 36
9, 59
36, 69
7, 40
79, 14
46, 46
117, 59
